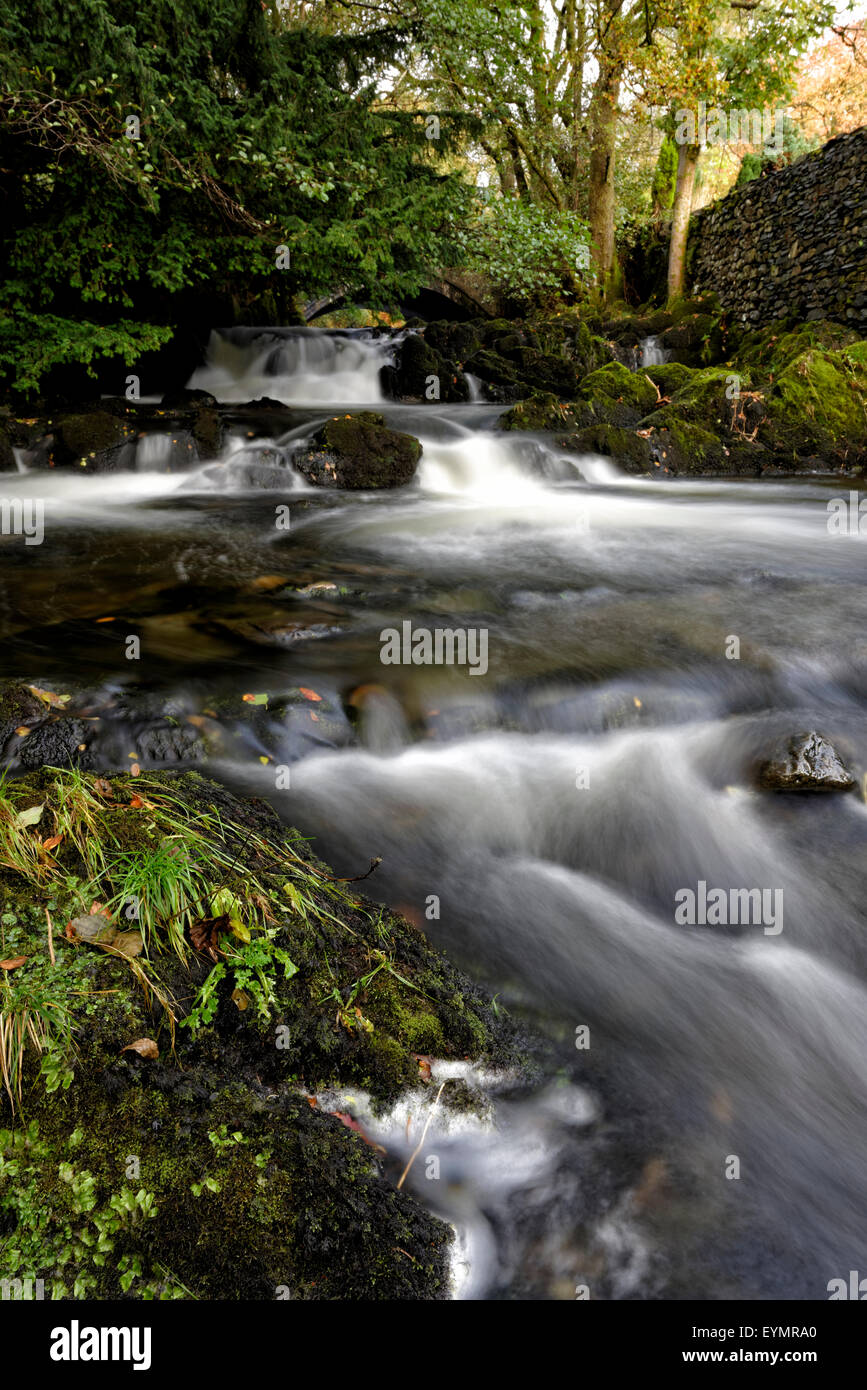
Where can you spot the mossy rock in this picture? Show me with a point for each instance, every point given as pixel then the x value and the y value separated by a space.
pixel 818 405
pixel 624 446
pixel 359 451
pixel 679 447
pixel 205 1171
pixel 776 346
pixel 618 396
pixel 544 411
pixel 94 440
pixel 669 377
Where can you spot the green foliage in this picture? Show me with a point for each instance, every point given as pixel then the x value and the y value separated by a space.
pixel 533 252
pixel 253 137
pixel 664 176
pixel 83 1226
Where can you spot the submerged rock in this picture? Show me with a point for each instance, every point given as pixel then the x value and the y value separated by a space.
pixel 359 451
pixel 809 763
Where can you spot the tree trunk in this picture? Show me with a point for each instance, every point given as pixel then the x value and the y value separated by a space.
pixel 687 164
pixel 602 121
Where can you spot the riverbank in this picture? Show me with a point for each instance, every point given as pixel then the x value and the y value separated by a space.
pixel 182 981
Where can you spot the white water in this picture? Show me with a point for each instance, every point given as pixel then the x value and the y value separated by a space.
pixel 297 367
pixel 608 602
pixel 653 354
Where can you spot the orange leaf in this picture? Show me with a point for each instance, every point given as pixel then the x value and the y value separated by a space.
pixel 12 964
pixel 105 620
pixel 135 770
pixel 145 1047
pixel 309 694
pixel 136 802
pixel 52 843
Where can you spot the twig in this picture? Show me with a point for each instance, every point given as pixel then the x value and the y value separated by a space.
pixel 50 937
pixel 417 1150
pixel 326 878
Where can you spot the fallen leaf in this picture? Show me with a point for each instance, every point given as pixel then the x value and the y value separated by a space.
pixel 423 1066
pixel 52 842
pixel 128 943
pixel 357 1129
pixel 93 929
pixel 31 816
pixel 105 620
pixel 48 697
pixel 269 581
pixel 145 1047
pixel 103 787
pixel 309 694
pixel 13 963
pixel 240 999
pixel 255 699
pixel 136 802
pixel 135 770
pixel 22 731
pixel 204 933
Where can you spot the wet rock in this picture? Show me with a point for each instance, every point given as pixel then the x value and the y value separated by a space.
pixel 626 447
pixel 183 400
pixel 19 709
pixel 96 440
pixel 7 457
pixel 543 411
pixel 359 451
pixel 809 763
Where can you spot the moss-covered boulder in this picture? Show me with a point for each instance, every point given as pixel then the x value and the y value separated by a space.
pixel 359 451
pixel 422 373
pixel 544 411
pixel 627 448
pixel 167 1141
pixel 817 405
pixel 96 440
pixel 618 396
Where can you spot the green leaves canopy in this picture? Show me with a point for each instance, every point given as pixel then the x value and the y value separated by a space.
pixel 252 137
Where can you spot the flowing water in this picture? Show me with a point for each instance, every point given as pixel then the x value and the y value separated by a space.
pixel 711 1141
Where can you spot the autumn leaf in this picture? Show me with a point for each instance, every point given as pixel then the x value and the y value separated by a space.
pixel 52 842
pixel 31 816
pixel 103 787
pixel 309 694
pixel 145 1047
pixel 127 943
pixel 353 1124
pixel 423 1066
pixel 204 933
pixel 13 963
pixel 135 770
pixel 255 699
pixel 240 999
pixel 48 697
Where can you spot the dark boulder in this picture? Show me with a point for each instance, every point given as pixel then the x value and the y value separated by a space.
pixel 96 440
pixel 358 451
pixel 808 763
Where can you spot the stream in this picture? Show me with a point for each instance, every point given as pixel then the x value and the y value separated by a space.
pixel 550 805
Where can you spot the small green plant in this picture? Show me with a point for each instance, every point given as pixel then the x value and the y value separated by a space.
pixel 31 1013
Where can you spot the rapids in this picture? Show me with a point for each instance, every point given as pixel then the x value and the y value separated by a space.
pixel 553 807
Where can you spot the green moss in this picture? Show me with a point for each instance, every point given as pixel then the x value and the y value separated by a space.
pixel 616 383
pixel 124 1164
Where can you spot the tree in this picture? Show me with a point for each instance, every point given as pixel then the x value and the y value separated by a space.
pixel 180 158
